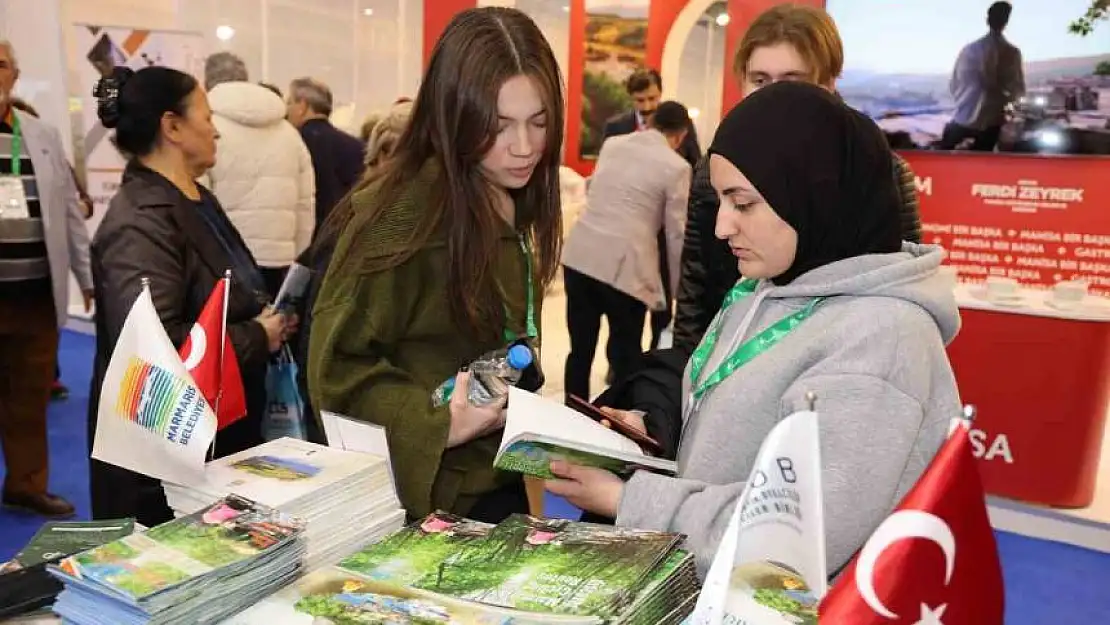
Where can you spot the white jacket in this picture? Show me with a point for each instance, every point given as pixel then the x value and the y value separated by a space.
pixel 263 175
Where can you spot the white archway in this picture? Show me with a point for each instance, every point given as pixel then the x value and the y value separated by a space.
pixel 697 83
pixel 676 39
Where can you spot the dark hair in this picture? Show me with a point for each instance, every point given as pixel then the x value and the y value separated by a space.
pixel 671 118
pixel 453 124
pixel 134 102
pixel 273 88
pixel 642 80
pixel 998 15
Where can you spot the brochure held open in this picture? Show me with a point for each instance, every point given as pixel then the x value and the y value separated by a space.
pixel 539 430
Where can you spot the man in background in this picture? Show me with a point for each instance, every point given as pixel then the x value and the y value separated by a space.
pixel 611 256
pixel 59 391
pixel 42 239
pixel 263 176
pixel 987 77
pixel 645 87
pixel 337 157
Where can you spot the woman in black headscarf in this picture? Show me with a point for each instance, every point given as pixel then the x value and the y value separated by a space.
pixel 832 303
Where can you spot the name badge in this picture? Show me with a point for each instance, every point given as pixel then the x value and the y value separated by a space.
pixel 13 198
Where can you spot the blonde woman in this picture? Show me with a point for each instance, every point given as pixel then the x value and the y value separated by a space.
pixel 383 136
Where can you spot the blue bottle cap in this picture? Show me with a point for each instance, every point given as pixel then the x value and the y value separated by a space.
pixel 519 357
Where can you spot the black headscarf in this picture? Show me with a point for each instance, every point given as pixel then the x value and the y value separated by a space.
pixel 823 167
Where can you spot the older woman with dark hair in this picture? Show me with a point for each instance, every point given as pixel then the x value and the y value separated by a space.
pixel 163 226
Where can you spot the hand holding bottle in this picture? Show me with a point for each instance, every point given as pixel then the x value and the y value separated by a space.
pixel 468 421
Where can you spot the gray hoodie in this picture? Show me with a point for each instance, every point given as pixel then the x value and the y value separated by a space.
pixel 873 353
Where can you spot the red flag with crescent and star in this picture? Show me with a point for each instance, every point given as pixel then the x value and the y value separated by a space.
pixel 934 561
pixel 216 372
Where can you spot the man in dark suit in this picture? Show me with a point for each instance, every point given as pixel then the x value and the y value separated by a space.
pixel 645 87
pixel 337 157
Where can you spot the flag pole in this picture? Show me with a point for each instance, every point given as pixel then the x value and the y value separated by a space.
pixel 969 413
pixel 223 347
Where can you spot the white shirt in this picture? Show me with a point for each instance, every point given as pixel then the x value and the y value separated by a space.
pixel 987 76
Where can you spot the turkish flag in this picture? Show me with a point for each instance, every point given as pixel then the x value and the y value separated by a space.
pixel 933 561
pixel 217 376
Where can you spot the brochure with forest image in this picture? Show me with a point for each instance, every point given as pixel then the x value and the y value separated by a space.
pixel 418 550
pixel 539 430
pixel 555 566
pixel 231 531
pixel 333 596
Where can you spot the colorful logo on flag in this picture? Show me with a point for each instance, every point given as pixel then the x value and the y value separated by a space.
pixel 159 401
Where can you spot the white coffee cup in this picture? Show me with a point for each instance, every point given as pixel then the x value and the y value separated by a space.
pixel 1006 289
pixel 1070 294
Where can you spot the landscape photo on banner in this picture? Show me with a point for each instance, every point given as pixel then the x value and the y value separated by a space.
pixel 616 45
pixel 901 62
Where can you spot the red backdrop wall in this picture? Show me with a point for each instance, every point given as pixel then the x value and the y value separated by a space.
pixel 437 14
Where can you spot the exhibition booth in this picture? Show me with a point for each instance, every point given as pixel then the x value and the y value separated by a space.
pixel 1032 358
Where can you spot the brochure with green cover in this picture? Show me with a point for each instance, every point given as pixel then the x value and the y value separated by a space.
pixel 555 566
pixel 538 430
pixel 57 539
pixel 233 531
pixel 418 551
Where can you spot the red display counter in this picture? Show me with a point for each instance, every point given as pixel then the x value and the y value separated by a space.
pixel 1040 381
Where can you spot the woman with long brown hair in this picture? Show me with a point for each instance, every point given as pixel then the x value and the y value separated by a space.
pixel 444 254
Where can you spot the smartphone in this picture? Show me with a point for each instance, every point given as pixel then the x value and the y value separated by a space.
pixel 649 444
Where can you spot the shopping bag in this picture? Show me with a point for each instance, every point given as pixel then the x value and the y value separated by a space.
pixel 285 413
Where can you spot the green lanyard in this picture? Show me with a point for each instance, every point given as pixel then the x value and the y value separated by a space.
pixel 17 147
pixel 749 349
pixel 530 318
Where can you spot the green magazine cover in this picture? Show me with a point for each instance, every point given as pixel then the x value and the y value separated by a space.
pixel 228 532
pixel 418 551
pixel 57 539
pixel 534 458
pixel 555 566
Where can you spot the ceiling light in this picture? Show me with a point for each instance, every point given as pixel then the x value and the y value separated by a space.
pixel 368 12
pixel 694 112
pixel 723 19
pixel 224 32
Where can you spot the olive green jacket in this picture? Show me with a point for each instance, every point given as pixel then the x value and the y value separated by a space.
pixel 382 341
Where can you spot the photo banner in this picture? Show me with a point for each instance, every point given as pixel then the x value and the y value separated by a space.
pixel 932 77
pixel 97 49
pixel 616 46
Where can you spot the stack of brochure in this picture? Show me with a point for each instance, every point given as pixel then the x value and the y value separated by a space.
pixel 25 586
pixel 347 498
pixel 196 569
pixel 525 571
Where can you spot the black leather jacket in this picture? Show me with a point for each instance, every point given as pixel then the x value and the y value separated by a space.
pixel 708 267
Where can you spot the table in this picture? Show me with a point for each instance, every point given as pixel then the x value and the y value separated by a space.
pixel 1040 380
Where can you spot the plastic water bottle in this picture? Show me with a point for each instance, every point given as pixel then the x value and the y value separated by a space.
pixel 490 376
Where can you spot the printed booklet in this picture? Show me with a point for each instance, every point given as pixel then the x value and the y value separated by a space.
pixel 539 430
